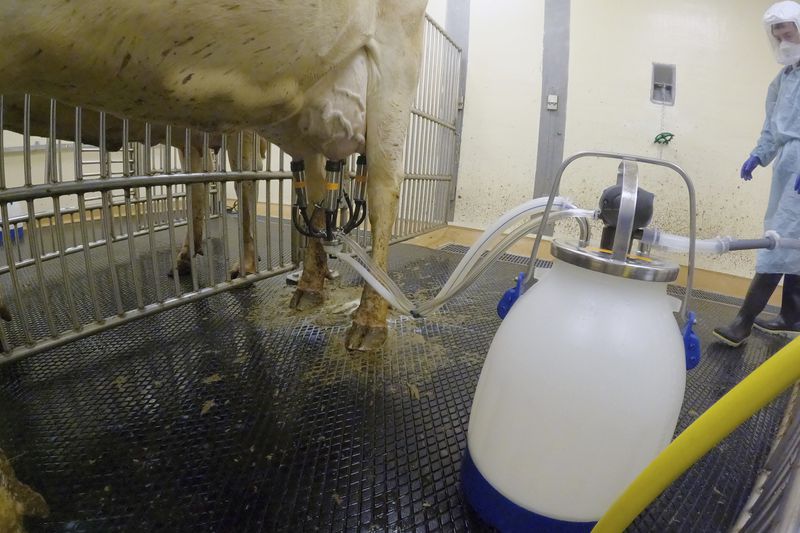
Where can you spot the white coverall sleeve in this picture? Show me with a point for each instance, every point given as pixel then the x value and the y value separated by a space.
pixel 766 149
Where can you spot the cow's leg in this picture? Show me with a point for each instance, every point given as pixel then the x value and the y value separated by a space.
pixel 309 291
pixel 199 201
pixel 369 329
pixel 248 196
pixel 388 104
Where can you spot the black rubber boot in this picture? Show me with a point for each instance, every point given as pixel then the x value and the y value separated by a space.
pixel 761 288
pixel 788 320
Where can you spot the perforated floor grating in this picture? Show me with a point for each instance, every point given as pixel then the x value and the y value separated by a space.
pixel 234 414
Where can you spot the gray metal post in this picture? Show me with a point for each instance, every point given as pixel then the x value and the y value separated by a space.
pixel 457 25
pixel 555 70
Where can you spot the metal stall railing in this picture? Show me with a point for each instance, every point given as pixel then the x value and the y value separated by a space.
pixel 774 503
pixel 431 144
pixel 88 249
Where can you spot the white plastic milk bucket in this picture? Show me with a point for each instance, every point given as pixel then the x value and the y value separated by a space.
pixel 580 390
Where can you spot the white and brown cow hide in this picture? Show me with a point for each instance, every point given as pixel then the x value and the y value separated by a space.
pixel 317 77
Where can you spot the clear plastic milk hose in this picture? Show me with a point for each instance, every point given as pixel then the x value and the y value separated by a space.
pixel 492 243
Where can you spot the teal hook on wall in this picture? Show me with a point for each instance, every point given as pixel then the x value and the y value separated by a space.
pixel 663 138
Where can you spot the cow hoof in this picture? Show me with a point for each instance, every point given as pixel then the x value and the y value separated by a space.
pixel 305 299
pixel 5 314
pixel 236 271
pixel 184 267
pixel 365 338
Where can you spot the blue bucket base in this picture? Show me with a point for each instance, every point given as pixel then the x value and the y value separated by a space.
pixel 504 514
pixel 16 234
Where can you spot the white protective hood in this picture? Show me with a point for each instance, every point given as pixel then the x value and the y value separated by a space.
pixel 788 11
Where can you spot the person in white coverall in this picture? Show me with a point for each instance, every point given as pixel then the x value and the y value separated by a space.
pixel 778 144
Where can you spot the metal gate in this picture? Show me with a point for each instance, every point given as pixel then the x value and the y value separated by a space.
pixel 89 235
pixel 432 143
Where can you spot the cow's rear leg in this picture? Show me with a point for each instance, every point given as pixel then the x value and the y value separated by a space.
pixel 388 106
pixel 199 207
pixel 310 288
pixel 199 200
pixel 246 212
pixel 369 329
pixel 309 292
pixel 249 195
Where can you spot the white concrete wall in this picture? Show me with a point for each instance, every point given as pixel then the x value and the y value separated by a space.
pixel 14 167
pixel 501 117
pixel 723 68
pixel 437 9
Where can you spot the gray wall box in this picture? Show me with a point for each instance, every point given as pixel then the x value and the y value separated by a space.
pixel 662 88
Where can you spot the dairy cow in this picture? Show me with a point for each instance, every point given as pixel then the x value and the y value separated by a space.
pixel 322 79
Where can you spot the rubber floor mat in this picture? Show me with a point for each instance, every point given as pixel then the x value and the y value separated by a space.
pixel 236 414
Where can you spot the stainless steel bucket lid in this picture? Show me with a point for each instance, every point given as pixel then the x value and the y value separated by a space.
pixel 599 260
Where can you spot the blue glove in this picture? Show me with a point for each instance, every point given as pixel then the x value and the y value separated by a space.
pixel 797 184
pixel 747 168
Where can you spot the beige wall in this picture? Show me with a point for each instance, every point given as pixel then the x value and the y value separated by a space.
pixel 501 117
pixel 14 167
pixel 723 68
pixel 437 9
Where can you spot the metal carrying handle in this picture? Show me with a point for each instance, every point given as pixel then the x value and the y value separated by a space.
pixel 627 210
pixel 624 158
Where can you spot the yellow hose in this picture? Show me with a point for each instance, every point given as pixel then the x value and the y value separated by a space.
pixel 763 385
